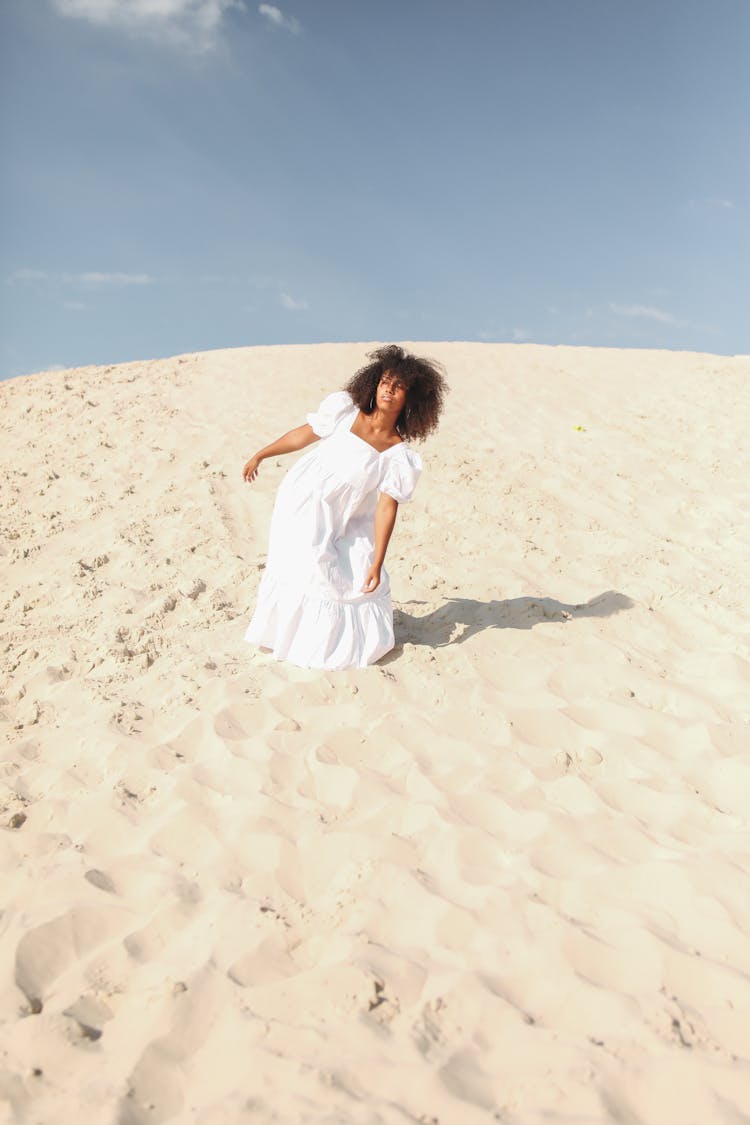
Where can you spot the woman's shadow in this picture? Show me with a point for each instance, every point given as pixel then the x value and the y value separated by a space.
pixel 459 619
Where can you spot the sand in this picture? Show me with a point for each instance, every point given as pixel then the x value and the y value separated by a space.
pixel 502 876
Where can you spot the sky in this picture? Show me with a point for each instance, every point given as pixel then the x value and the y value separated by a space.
pixel 183 175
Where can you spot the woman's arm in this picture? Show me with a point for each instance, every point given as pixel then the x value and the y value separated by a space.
pixel 289 443
pixel 385 519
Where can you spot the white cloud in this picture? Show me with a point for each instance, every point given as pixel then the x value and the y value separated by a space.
pixel 707 205
pixel 292 302
pixel 187 23
pixel 26 277
pixel 722 204
pixel 277 17
pixel 110 278
pixel 29 277
pixel 645 312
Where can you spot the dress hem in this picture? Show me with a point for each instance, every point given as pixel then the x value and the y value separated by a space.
pixel 320 633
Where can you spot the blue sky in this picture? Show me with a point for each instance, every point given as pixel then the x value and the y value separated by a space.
pixel 191 174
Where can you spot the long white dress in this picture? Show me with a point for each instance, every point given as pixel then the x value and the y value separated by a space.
pixel 311 610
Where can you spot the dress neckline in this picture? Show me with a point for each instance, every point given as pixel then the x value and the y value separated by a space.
pixel 379 452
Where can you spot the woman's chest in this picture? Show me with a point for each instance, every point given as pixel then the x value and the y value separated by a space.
pixel 351 460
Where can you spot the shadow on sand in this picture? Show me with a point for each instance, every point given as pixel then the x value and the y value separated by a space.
pixel 459 619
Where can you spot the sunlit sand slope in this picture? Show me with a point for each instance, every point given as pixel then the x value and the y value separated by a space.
pixel 502 876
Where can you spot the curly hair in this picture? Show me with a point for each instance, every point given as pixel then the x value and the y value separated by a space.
pixel 425 389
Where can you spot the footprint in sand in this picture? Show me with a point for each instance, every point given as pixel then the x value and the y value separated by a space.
pixel 49 950
pixel 157 1083
pixel 583 761
pixel 91 1015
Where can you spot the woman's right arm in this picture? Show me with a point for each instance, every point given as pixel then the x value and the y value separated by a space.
pixel 289 443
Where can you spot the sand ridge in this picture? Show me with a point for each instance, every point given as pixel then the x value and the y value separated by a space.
pixel 502 876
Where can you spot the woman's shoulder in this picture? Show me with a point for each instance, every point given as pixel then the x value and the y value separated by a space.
pixel 333 408
pixel 338 401
pixel 403 452
pixel 401 469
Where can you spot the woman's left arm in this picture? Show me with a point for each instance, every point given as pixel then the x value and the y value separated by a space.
pixel 385 519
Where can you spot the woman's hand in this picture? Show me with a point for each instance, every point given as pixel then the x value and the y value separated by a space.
pixel 250 470
pixel 372 581
pixel 287 443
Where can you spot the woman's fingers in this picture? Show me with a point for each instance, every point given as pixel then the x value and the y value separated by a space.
pixel 372 581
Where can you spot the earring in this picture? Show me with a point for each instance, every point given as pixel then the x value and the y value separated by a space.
pixel 372 403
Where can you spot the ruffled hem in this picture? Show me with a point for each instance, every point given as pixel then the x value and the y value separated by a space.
pixel 315 633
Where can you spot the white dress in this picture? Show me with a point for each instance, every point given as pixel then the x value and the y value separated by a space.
pixel 311 610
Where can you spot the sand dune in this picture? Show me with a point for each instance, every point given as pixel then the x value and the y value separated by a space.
pixel 501 876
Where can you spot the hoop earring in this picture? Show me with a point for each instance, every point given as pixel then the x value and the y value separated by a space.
pixel 372 403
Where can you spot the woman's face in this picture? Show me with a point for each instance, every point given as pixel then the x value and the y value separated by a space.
pixel 391 393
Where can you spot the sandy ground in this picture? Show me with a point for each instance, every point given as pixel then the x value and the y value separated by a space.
pixel 502 876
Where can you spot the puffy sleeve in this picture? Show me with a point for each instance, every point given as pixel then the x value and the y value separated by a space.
pixel 332 409
pixel 402 470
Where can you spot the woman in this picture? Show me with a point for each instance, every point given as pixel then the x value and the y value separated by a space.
pixel 325 598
